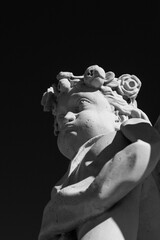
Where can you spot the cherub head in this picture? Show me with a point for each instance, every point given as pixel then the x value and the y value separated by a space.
pixel 93 104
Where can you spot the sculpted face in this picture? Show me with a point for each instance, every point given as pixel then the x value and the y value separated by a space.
pixel 81 115
pixel 81 110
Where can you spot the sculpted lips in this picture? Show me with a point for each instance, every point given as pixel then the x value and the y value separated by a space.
pixel 67 127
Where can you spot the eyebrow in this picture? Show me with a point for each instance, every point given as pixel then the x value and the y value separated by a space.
pixel 62 108
pixel 74 97
pixel 79 96
pixel 82 95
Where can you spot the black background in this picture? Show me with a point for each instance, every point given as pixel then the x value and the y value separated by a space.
pixel 37 43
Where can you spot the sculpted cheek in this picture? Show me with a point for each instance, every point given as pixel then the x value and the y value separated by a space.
pixel 64 145
pixel 88 124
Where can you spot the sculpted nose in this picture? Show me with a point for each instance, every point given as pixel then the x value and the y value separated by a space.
pixel 63 119
pixel 69 117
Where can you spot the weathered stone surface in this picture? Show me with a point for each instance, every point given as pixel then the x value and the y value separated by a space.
pixel 105 193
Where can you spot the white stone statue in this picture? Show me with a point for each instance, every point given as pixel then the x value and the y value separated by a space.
pixel 108 192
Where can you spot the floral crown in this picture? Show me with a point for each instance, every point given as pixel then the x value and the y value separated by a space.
pixel 127 86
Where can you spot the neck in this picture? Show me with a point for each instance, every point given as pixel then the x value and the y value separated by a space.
pixel 99 144
pixel 96 144
pixel 100 147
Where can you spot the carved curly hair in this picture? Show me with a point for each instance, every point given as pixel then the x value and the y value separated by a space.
pixel 120 92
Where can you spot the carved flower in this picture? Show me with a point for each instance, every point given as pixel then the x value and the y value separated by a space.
pixel 110 80
pixel 66 80
pixel 64 85
pixel 94 76
pixel 62 75
pixel 129 86
pixel 48 100
pixel 109 76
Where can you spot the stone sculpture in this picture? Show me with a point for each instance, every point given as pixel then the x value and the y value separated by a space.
pixel 108 191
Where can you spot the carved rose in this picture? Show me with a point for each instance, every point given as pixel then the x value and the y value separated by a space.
pixel 128 86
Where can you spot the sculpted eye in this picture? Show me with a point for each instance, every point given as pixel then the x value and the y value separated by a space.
pixel 82 104
pixel 82 101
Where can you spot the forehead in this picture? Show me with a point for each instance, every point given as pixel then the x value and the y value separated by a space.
pixel 68 99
